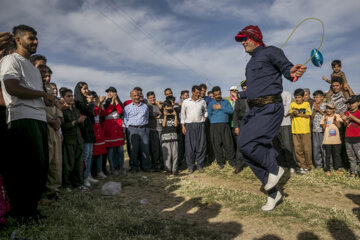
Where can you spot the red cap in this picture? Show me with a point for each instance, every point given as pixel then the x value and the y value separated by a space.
pixel 252 32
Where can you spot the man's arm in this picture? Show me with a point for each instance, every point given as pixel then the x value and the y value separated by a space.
pixel 14 88
pixel 226 107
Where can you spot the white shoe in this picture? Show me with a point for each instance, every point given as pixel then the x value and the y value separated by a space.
pixel 101 175
pixel 82 188
pixel 92 180
pixel 272 202
pixel 87 183
pixel 274 179
pixel 67 189
pixel 292 170
pixel 302 171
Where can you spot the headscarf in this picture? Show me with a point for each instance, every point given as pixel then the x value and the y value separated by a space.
pixel 78 94
pixel 252 32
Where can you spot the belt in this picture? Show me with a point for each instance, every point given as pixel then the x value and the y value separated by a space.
pixel 264 100
pixel 139 126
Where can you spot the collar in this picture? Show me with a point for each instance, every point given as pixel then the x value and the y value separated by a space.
pixel 259 48
pixel 137 105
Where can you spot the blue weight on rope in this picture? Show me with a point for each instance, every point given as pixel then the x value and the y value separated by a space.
pixel 318 59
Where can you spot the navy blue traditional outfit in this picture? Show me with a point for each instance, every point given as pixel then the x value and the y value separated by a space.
pixel 260 125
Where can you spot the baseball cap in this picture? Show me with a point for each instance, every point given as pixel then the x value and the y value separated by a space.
pixel 233 88
pixel 111 89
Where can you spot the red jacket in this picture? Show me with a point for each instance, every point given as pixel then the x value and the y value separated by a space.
pixel 99 145
pixel 114 133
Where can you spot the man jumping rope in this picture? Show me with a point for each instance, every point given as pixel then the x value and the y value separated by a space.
pixel 262 122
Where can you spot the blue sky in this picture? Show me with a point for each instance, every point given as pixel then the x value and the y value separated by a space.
pixel 178 43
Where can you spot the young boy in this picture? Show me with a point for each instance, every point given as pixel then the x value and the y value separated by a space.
pixel 72 144
pixel 331 122
pixel 300 113
pixel 318 111
pixel 352 134
pixel 169 138
pixel 336 67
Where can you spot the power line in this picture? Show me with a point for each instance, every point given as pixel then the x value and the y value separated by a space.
pixel 147 35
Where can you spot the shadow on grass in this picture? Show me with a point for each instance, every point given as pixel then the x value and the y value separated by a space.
pixel 146 208
pixel 356 199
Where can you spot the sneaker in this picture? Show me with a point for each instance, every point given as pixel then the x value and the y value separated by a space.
pixel 101 175
pixel 237 170
pixel 274 179
pixel 292 170
pixel 67 189
pixel 82 188
pixel 302 171
pixel 272 202
pixel 201 169
pixel 92 180
pixel 87 183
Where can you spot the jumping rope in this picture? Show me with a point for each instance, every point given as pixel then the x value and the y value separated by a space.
pixel 293 31
pixel 322 38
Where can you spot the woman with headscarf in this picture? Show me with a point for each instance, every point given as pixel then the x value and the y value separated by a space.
pixel 86 108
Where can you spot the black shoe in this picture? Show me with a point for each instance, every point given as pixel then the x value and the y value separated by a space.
pixel 175 173
pixel 221 166
pixel 201 169
pixel 191 171
pixel 237 170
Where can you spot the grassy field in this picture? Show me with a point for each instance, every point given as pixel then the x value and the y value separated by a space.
pixel 212 205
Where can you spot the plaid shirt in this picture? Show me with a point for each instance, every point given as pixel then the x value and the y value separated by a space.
pixel 136 115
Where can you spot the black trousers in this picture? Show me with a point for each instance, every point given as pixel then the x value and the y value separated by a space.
pixel 222 141
pixel 155 149
pixel 283 143
pixel 25 172
pixel 209 149
pixel 333 150
pixel 239 162
pixel 72 165
pixel 195 144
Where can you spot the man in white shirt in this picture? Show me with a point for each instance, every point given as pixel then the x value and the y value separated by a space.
pixel 193 115
pixel 25 99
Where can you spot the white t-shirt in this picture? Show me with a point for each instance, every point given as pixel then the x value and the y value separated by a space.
pixel 14 66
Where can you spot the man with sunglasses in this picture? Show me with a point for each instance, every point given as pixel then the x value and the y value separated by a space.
pixel 260 125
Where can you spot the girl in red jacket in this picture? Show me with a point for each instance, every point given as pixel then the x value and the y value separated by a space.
pixel 114 133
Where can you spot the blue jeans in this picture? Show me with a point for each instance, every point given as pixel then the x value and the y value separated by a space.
pixel 116 157
pixel 139 143
pixel 87 153
pixel 318 150
pixel 98 161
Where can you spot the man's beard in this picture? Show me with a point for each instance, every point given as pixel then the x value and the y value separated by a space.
pixel 29 47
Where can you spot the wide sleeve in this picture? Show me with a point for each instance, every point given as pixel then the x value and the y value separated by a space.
pixel 280 61
pixel 226 107
pixel 204 109
pixel 183 112
pixel 119 108
pixel 10 68
pixel 210 110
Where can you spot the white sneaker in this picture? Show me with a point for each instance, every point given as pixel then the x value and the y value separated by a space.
pixel 92 180
pixel 302 171
pixel 274 179
pixel 82 188
pixel 292 170
pixel 272 202
pixel 101 175
pixel 67 189
pixel 87 183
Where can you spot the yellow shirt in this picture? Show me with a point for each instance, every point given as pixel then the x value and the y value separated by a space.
pixel 300 125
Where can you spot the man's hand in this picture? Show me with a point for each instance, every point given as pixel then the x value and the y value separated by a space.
pixel 49 99
pixel 297 70
pixel 60 105
pixel 237 131
pixel 81 119
pixel 5 38
pixel 344 117
pixel 183 129
pixel 217 106
pixel 346 86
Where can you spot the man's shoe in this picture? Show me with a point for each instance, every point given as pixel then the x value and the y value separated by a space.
pixel 191 171
pixel 237 170
pixel 92 180
pixel 201 169
pixel 67 189
pixel 82 188
pixel 87 183
pixel 272 202
pixel 175 172
pixel 274 179
pixel 101 175
pixel 221 166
